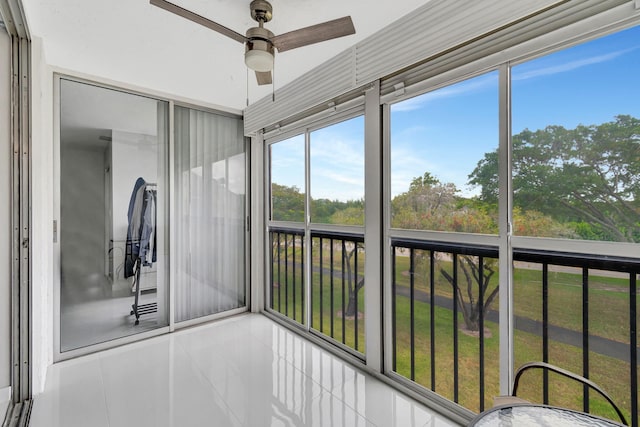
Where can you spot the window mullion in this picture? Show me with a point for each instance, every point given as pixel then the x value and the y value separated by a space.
pixel 505 222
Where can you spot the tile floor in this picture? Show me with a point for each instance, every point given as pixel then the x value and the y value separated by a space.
pixel 92 322
pixel 242 371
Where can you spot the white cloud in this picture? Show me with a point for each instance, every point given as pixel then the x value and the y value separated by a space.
pixel 464 87
pixel 569 66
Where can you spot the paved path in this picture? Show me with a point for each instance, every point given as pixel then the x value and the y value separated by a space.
pixel 597 344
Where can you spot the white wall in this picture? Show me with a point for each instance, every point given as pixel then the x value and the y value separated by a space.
pixel 5 212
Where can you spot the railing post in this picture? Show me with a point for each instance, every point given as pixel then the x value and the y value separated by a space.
pixel 393 310
pixel 321 271
pixel 456 353
pixel 412 331
pixel 545 331
pixel 432 313
pixel 481 328
pixel 585 335
pixel 633 340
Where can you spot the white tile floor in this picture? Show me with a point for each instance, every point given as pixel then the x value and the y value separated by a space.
pixel 242 371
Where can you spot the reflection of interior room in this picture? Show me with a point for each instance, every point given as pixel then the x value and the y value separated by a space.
pixel 99 167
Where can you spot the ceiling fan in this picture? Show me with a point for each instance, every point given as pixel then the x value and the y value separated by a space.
pixel 260 42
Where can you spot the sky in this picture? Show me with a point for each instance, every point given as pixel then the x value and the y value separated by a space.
pixel 447 131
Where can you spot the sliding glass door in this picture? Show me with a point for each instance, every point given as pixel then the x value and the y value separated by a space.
pixel 210 218
pixel 112 221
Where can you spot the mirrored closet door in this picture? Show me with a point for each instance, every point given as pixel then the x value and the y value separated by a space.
pixel 113 175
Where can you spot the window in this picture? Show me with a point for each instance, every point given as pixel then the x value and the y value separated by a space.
pixel 328 248
pixel 576 145
pixel 576 121
pixel 287 180
pixel 337 173
pixel 436 141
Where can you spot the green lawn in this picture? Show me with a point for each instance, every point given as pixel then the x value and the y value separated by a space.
pixel 283 295
pixel 608 296
pixel 611 374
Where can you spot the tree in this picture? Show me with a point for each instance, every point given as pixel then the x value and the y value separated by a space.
pixel 475 278
pixel 287 203
pixel 425 205
pixel 348 216
pixel 353 286
pixel 588 176
pixel 432 205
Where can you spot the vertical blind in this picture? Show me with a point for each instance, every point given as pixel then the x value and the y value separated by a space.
pixel 210 211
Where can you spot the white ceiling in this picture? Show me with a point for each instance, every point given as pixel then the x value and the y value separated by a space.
pixel 133 42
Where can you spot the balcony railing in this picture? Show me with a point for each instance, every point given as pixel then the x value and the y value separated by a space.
pixel 337 298
pixel 337 280
pixel 441 297
pixel 579 312
pixel 574 311
pixel 287 295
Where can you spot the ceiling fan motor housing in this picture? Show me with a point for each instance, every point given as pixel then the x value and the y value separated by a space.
pixel 259 50
pixel 261 11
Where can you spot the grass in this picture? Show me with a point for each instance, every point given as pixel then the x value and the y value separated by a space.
pixel 608 316
pixel 290 305
pixel 611 374
pixel 608 296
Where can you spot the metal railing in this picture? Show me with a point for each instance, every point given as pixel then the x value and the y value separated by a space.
pixel 593 324
pixel 336 303
pixel 287 284
pixel 337 299
pixel 445 316
pixel 434 288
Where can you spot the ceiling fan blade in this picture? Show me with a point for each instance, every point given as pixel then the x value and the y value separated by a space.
pixel 316 33
pixel 263 78
pixel 187 14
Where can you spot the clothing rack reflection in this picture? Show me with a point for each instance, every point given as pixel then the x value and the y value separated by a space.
pixel 141 241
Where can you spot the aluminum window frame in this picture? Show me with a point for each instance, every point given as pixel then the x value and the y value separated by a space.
pixel 58 355
pixel 505 241
pixel 21 348
pixel 334 114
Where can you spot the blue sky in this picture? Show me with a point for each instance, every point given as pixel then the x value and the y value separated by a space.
pixel 447 131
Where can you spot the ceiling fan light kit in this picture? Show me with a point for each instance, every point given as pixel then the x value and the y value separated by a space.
pixel 259 60
pixel 260 42
pixel 258 50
